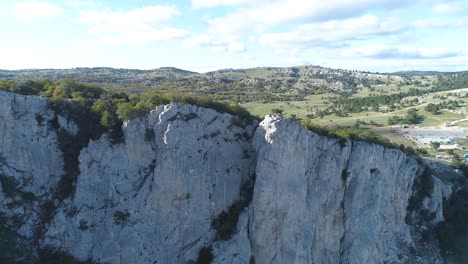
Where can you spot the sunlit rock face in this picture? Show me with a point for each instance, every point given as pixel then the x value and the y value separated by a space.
pixel 159 197
pixel 324 200
pixel 153 197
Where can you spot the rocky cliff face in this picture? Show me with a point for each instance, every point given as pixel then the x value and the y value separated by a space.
pixel 323 200
pixel 191 185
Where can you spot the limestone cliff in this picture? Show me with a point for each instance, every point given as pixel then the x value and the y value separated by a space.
pixel 191 185
pixel 324 200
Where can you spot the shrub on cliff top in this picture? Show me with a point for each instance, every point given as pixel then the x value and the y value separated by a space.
pixel 112 106
pixel 365 135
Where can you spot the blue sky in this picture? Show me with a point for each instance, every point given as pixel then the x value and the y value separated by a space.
pixel 204 35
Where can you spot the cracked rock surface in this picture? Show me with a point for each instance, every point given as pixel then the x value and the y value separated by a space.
pixel 325 200
pixel 153 198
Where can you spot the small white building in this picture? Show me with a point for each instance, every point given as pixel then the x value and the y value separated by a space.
pixel 447 124
pixel 451 146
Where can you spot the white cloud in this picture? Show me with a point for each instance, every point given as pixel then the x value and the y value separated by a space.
pixel 236 47
pixel 230 44
pixel 214 3
pixel 321 23
pixel 401 52
pixel 294 61
pixel 450 8
pixel 459 63
pixel 259 16
pixel 35 10
pixel 266 14
pixel 438 23
pixel 136 37
pixel 201 40
pixel 136 26
pixel 29 58
pixel 335 33
pixel 78 3
pixel 146 15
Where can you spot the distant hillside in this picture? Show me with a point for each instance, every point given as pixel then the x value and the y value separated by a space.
pixel 425 72
pixel 176 70
pixel 112 75
pixel 418 73
pixel 97 74
pixel 256 84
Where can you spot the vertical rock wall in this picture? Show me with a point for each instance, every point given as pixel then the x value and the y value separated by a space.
pixel 324 200
pixel 153 198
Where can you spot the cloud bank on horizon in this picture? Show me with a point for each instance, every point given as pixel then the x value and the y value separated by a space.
pixel 204 35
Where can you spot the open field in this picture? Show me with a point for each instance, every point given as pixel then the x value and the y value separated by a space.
pixel 463 124
pixel 394 136
pixel 431 127
pixel 388 89
pixel 302 108
pixel 299 108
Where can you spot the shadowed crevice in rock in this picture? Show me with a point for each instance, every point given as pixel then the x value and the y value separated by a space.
pixel 225 224
pixel 345 175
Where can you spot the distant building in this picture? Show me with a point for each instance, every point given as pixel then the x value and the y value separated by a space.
pixel 447 124
pixel 451 146
pixel 255 80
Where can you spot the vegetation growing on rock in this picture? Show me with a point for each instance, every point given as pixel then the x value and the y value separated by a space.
pixel 225 223
pixel 110 108
pixel 369 136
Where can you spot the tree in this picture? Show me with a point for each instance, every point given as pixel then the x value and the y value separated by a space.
pixel 432 108
pixel 412 117
pixel 393 120
pixel 277 111
pixel 294 117
pixel 357 124
pixel 435 145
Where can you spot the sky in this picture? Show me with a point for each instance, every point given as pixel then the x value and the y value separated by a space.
pixel 206 35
